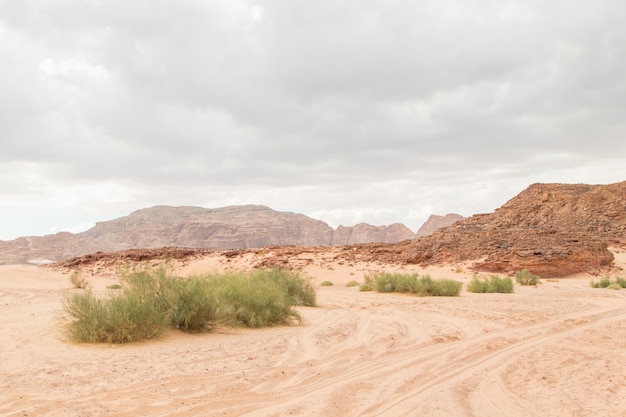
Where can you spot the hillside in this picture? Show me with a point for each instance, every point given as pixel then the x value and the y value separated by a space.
pixel 552 229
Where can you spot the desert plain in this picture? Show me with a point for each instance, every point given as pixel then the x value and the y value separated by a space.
pixel 557 349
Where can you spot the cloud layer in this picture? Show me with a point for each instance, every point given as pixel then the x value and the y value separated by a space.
pixel 372 111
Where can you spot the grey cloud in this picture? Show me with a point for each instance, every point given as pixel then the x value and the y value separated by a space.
pixel 328 95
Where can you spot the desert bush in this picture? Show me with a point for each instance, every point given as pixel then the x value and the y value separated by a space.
pixel 525 277
pixel 121 318
pixel 191 303
pixel 114 287
pixel 151 300
pixel 327 284
pixel 352 284
pixel 78 280
pixel 252 300
pixel 410 283
pixel 423 286
pixel 445 288
pixel 605 282
pixel 614 286
pixel 478 285
pixel 369 279
pixel 395 282
pixel 298 288
pixel 491 284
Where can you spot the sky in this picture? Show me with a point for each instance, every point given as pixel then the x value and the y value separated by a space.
pixel 377 111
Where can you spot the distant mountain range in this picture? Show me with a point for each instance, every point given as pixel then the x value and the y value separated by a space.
pixel 233 227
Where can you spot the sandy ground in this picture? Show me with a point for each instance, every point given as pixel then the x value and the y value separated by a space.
pixel 555 350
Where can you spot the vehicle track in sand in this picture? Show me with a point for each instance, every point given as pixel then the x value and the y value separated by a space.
pixel 357 354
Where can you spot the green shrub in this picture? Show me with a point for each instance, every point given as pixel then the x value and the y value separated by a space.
pixel 500 285
pixel 614 286
pixel 525 277
pixel 395 282
pixel 478 285
pixel 150 301
pixel 445 288
pixel 352 284
pixel 492 284
pixel 192 304
pixel 606 282
pixel 423 286
pixel 114 287
pixel 121 318
pixel 410 283
pixel 78 280
pixel 603 283
pixel 299 289
pixel 327 284
pixel 252 301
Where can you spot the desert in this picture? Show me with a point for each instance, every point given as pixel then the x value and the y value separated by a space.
pixel 555 349
pixel 312 208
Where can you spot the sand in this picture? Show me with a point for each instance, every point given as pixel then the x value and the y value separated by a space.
pixel 558 349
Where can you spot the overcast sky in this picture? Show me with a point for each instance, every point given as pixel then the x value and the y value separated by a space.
pixel 377 111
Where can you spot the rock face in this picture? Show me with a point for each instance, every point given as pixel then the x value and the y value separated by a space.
pixel 224 228
pixel 554 230
pixel 234 227
pixel 436 222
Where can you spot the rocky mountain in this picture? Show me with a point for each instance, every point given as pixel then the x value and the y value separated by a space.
pixel 554 230
pixel 234 227
pixel 436 222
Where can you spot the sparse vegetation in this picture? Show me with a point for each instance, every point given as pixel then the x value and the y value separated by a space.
pixel 491 284
pixel 368 281
pixel 327 284
pixel 605 282
pixel 395 282
pixel 78 280
pixel 445 288
pixel 151 301
pixel 410 283
pixel 525 277
pixel 352 284
pixel 114 287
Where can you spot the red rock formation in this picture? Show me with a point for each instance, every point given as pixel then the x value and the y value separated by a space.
pixel 552 229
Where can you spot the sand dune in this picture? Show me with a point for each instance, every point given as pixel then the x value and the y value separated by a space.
pixel 554 350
